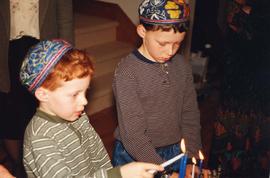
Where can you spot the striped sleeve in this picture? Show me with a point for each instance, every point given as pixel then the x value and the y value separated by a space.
pixel 191 116
pixel 131 118
pixel 46 159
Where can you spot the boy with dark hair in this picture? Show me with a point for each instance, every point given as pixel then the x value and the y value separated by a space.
pixel 154 91
pixel 59 140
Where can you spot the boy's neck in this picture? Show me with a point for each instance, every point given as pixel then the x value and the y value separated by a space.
pixel 42 107
pixel 141 57
pixel 144 52
pixel 49 117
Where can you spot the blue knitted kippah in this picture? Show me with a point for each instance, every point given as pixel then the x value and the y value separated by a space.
pixel 39 61
pixel 164 12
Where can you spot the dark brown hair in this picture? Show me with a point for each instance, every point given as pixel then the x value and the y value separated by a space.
pixel 181 27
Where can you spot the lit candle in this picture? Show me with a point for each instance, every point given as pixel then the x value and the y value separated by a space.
pixel 200 164
pixel 193 167
pixel 183 163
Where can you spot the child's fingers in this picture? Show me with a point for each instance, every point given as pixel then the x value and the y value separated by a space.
pixel 147 175
pixel 149 166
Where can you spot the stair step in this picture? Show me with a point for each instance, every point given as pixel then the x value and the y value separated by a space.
pixel 100 86
pixel 99 104
pixel 107 56
pixel 92 30
pixel 100 95
pixel 98 37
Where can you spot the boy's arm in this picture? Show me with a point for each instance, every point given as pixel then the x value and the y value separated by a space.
pixel 132 124
pixel 190 123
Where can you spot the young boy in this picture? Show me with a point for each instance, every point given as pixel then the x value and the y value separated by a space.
pixel 59 141
pixel 154 92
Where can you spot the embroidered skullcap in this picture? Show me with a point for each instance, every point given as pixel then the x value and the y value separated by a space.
pixel 40 60
pixel 164 12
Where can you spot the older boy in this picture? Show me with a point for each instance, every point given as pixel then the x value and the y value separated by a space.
pixel 59 141
pixel 154 92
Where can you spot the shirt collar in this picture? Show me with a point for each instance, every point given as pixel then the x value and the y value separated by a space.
pixel 49 117
pixel 141 57
pixel 144 59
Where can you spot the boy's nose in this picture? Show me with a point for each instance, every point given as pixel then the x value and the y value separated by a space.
pixel 170 50
pixel 84 101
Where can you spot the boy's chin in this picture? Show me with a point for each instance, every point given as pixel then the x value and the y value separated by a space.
pixel 162 61
pixel 72 119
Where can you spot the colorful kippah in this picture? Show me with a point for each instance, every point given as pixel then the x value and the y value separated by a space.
pixel 164 11
pixel 39 61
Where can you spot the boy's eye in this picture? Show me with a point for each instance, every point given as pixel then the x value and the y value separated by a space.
pixel 162 44
pixel 177 44
pixel 75 94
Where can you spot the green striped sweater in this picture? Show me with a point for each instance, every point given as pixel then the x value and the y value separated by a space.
pixel 57 148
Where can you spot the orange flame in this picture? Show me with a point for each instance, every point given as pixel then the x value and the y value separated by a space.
pixel 182 145
pixel 194 160
pixel 201 155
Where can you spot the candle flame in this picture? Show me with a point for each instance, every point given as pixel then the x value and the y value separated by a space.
pixel 194 160
pixel 182 145
pixel 201 155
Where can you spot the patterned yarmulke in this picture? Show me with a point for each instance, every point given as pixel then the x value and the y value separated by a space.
pixel 39 61
pixel 164 11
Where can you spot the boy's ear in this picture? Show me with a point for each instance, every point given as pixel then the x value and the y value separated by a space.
pixel 41 94
pixel 141 30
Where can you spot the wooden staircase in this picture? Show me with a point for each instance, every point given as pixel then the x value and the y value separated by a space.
pixel 97 36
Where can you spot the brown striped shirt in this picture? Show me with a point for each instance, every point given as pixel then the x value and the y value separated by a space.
pixel 54 147
pixel 156 106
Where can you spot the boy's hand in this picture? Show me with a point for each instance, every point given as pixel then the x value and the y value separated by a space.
pixel 139 170
pixel 4 173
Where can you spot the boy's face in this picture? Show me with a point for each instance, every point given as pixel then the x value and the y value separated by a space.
pixel 67 101
pixel 159 46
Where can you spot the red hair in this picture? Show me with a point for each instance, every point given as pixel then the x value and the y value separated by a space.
pixel 74 64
